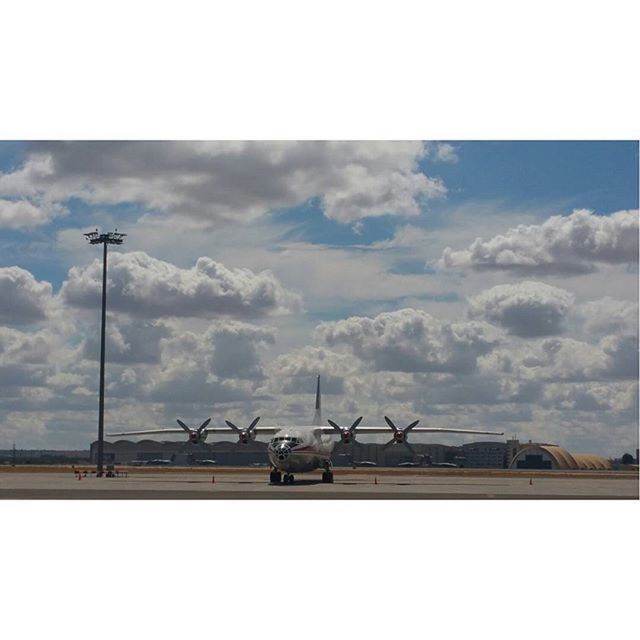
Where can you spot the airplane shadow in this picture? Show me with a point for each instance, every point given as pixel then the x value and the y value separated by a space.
pixel 297 483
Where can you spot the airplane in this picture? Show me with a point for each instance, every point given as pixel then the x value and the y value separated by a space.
pixel 304 448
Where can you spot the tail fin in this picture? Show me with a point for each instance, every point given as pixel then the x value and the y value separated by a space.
pixel 317 418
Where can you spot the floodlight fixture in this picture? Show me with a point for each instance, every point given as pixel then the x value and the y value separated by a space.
pixel 105 239
pixel 111 237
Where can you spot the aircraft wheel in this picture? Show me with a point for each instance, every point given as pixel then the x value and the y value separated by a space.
pixel 327 477
pixel 288 478
pixel 275 477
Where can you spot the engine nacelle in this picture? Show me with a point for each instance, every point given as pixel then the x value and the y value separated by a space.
pixel 245 437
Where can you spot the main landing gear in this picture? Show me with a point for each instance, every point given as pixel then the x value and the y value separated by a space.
pixel 327 475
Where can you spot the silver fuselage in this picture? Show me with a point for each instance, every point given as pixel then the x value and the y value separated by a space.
pixel 300 449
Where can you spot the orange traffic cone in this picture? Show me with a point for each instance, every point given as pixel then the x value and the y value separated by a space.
pixel 213 478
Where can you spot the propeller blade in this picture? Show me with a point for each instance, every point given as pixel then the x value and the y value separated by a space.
pixel 204 425
pixel 335 426
pixel 392 441
pixel 253 424
pixel 355 424
pixel 232 426
pixel 413 424
pixel 411 449
pixel 388 421
pixel 183 425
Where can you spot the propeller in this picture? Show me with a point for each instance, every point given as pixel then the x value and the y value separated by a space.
pixel 400 435
pixel 196 436
pixel 245 435
pixel 347 434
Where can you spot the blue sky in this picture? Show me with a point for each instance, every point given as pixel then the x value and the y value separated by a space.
pixel 565 175
pixel 411 275
pixel 597 175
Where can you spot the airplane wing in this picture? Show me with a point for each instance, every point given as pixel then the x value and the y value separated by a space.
pixel 257 430
pixel 374 430
pixel 211 430
pixel 146 433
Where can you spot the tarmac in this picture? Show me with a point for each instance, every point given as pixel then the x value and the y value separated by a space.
pixel 376 484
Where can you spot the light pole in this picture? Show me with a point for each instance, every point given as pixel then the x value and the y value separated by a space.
pixel 112 237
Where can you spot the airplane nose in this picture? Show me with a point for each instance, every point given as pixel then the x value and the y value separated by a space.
pixel 282 452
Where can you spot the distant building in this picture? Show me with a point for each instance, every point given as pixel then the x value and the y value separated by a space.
pixel 511 450
pixel 485 455
pixel 480 455
pixel 548 456
pixel 182 453
pixel 43 456
pixel 236 454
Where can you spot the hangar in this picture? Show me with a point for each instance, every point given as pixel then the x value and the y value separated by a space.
pixel 549 456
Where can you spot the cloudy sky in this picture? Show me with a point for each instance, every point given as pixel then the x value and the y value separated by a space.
pixel 470 284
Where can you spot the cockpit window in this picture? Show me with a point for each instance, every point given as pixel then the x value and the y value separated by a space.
pixel 289 439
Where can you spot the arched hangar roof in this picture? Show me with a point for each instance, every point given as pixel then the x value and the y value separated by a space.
pixel 563 459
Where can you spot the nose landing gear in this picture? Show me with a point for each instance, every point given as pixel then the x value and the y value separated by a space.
pixel 327 477
pixel 276 477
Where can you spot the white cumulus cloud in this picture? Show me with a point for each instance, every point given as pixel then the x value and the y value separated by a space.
pixel 144 286
pixel 446 152
pixel 296 371
pixel 562 244
pixel 23 299
pixel 235 349
pixel 222 181
pixel 22 214
pixel 128 340
pixel 609 316
pixel 412 340
pixel 525 309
